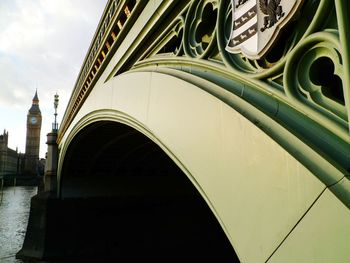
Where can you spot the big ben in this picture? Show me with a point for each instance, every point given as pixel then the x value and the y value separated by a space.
pixel 33 137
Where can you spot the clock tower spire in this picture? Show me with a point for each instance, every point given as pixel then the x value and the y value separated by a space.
pixel 33 137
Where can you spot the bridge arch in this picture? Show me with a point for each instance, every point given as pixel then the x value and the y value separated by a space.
pixel 263 140
pixel 217 147
pixel 121 170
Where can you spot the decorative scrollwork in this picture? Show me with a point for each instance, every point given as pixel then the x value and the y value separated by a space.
pixel 174 43
pixel 313 74
pixel 313 13
pixel 171 41
pixel 304 64
pixel 199 33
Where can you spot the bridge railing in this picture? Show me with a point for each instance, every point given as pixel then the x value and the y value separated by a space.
pixel 113 25
pixel 302 82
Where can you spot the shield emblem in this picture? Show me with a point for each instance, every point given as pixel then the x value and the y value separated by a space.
pixel 256 24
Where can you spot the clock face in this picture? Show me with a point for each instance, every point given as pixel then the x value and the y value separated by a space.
pixel 33 120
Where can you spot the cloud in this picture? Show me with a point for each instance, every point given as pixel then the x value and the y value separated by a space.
pixel 42 45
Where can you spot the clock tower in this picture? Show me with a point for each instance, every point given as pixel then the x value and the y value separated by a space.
pixel 33 137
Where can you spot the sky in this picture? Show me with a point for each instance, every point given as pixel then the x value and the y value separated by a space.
pixel 42 46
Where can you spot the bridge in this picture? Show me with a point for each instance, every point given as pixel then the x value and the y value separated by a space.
pixel 184 145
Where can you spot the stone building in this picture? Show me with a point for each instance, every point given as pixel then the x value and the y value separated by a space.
pixel 11 162
pixel 33 138
pixel 14 163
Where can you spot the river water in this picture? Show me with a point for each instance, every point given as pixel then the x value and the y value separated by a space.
pixel 14 213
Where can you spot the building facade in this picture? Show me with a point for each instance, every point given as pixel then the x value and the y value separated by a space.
pixel 10 160
pixel 33 137
pixel 14 163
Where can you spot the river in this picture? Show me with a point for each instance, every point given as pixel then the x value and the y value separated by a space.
pixel 14 213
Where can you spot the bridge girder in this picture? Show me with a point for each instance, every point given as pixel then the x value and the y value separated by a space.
pixel 163 70
pixel 248 180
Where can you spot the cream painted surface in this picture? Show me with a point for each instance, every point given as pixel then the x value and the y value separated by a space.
pixel 321 237
pixel 256 189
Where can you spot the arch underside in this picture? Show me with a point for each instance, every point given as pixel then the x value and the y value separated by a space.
pixel 128 194
pixel 166 142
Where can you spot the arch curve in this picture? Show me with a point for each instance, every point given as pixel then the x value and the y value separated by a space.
pixel 119 172
pixel 233 153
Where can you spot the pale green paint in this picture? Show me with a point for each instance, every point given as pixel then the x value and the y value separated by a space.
pixel 258 150
pixel 343 16
pixel 257 190
pixel 321 237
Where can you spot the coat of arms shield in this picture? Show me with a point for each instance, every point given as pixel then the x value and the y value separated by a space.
pixel 257 23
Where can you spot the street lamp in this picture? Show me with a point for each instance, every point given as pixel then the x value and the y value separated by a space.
pixel 55 104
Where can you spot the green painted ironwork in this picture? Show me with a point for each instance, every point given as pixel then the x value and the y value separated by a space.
pixel 308 66
pixel 302 83
pixel 297 94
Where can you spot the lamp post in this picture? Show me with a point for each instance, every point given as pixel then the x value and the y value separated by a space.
pixel 55 104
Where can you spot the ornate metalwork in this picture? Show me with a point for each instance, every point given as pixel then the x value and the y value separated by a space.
pixel 199 31
pixel 313 74
pixel 256 25
pixel 308 46
pixel 306 68
pixel 112 28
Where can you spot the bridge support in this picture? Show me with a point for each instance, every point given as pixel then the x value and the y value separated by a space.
pixel 35 244
pixel 42 220
pixel 146 210
pixel 50 177
pixel 127 229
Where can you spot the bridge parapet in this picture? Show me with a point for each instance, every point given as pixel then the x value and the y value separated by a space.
pixel 117 18
pixel 302 82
